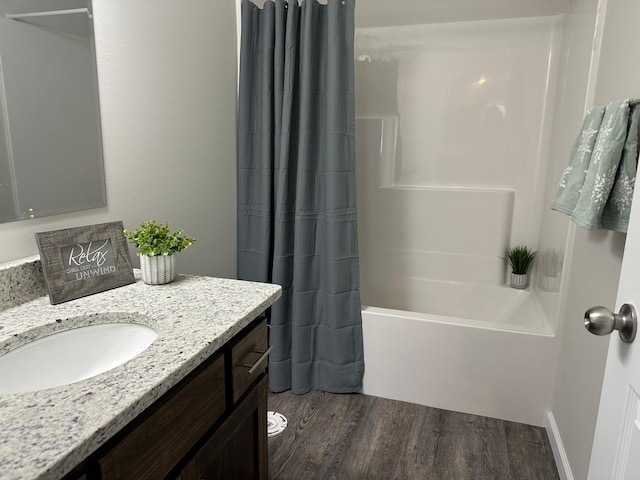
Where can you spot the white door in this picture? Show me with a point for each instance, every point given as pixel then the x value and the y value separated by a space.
pixel 616 447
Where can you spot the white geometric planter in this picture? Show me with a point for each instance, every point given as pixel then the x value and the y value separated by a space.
pixel 159 269
pixel 519 280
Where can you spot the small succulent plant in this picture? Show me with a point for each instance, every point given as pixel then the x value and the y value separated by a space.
pixel 152 238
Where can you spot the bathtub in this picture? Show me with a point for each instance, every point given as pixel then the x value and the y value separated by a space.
pixel 481 349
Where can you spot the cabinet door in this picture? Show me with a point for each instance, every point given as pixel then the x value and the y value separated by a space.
pixel 238 449
pixel 164 437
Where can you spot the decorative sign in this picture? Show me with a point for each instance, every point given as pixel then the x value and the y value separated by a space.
pixel 88 260
pixel 81 261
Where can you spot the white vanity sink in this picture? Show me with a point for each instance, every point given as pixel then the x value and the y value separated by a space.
pixel 72 355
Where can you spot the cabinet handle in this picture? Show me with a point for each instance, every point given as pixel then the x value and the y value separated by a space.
pixel 263 357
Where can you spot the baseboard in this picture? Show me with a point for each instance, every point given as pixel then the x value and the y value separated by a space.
pixel 560 456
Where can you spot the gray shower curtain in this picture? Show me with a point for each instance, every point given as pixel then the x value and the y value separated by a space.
pixel 296 188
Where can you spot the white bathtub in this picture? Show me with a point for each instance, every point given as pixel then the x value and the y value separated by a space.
pixel 491 355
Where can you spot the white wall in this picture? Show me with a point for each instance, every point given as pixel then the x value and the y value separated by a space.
pixel 166 75
pixel 592 281
pixel 595 256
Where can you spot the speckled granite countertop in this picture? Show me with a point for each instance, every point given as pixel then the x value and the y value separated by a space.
pixel 45 434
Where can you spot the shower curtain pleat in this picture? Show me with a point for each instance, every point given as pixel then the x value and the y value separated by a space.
pixel 297 222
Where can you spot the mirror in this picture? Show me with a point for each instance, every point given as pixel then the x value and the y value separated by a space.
pixel 50 140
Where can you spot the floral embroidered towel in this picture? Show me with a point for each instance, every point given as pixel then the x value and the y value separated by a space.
pixel 618 206
pixel 573 176
pixel 601 170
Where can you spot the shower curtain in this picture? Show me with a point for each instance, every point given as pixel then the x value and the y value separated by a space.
pixel 296 188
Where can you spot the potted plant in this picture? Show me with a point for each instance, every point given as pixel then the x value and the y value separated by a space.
pixel 156 247
pixel 519 258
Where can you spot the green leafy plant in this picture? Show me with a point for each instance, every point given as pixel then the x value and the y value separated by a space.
pixel 153 238
pixel 519 258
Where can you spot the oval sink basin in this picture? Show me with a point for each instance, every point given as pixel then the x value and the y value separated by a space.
pixel 72 355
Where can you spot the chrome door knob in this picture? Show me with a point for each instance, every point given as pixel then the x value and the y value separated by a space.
pixel 602 321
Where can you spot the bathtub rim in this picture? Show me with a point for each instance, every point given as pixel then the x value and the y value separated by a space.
pixel 543 330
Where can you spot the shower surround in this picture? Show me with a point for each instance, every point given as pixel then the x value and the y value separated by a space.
pixel 453 132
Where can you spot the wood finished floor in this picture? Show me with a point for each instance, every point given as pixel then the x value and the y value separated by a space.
pixel 357 437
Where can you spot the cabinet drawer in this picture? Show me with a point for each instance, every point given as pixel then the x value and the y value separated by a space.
pixel 249 359
pixel 162 439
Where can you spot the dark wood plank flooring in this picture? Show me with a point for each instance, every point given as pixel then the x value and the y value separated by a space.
pixel 362 437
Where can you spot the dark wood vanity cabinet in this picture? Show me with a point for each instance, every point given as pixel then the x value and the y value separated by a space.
pixel 238 448
pixel 212 425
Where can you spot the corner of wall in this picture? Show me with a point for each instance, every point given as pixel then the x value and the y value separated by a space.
pixel 559 454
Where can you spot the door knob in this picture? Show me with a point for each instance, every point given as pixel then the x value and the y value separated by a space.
pixel 602 321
